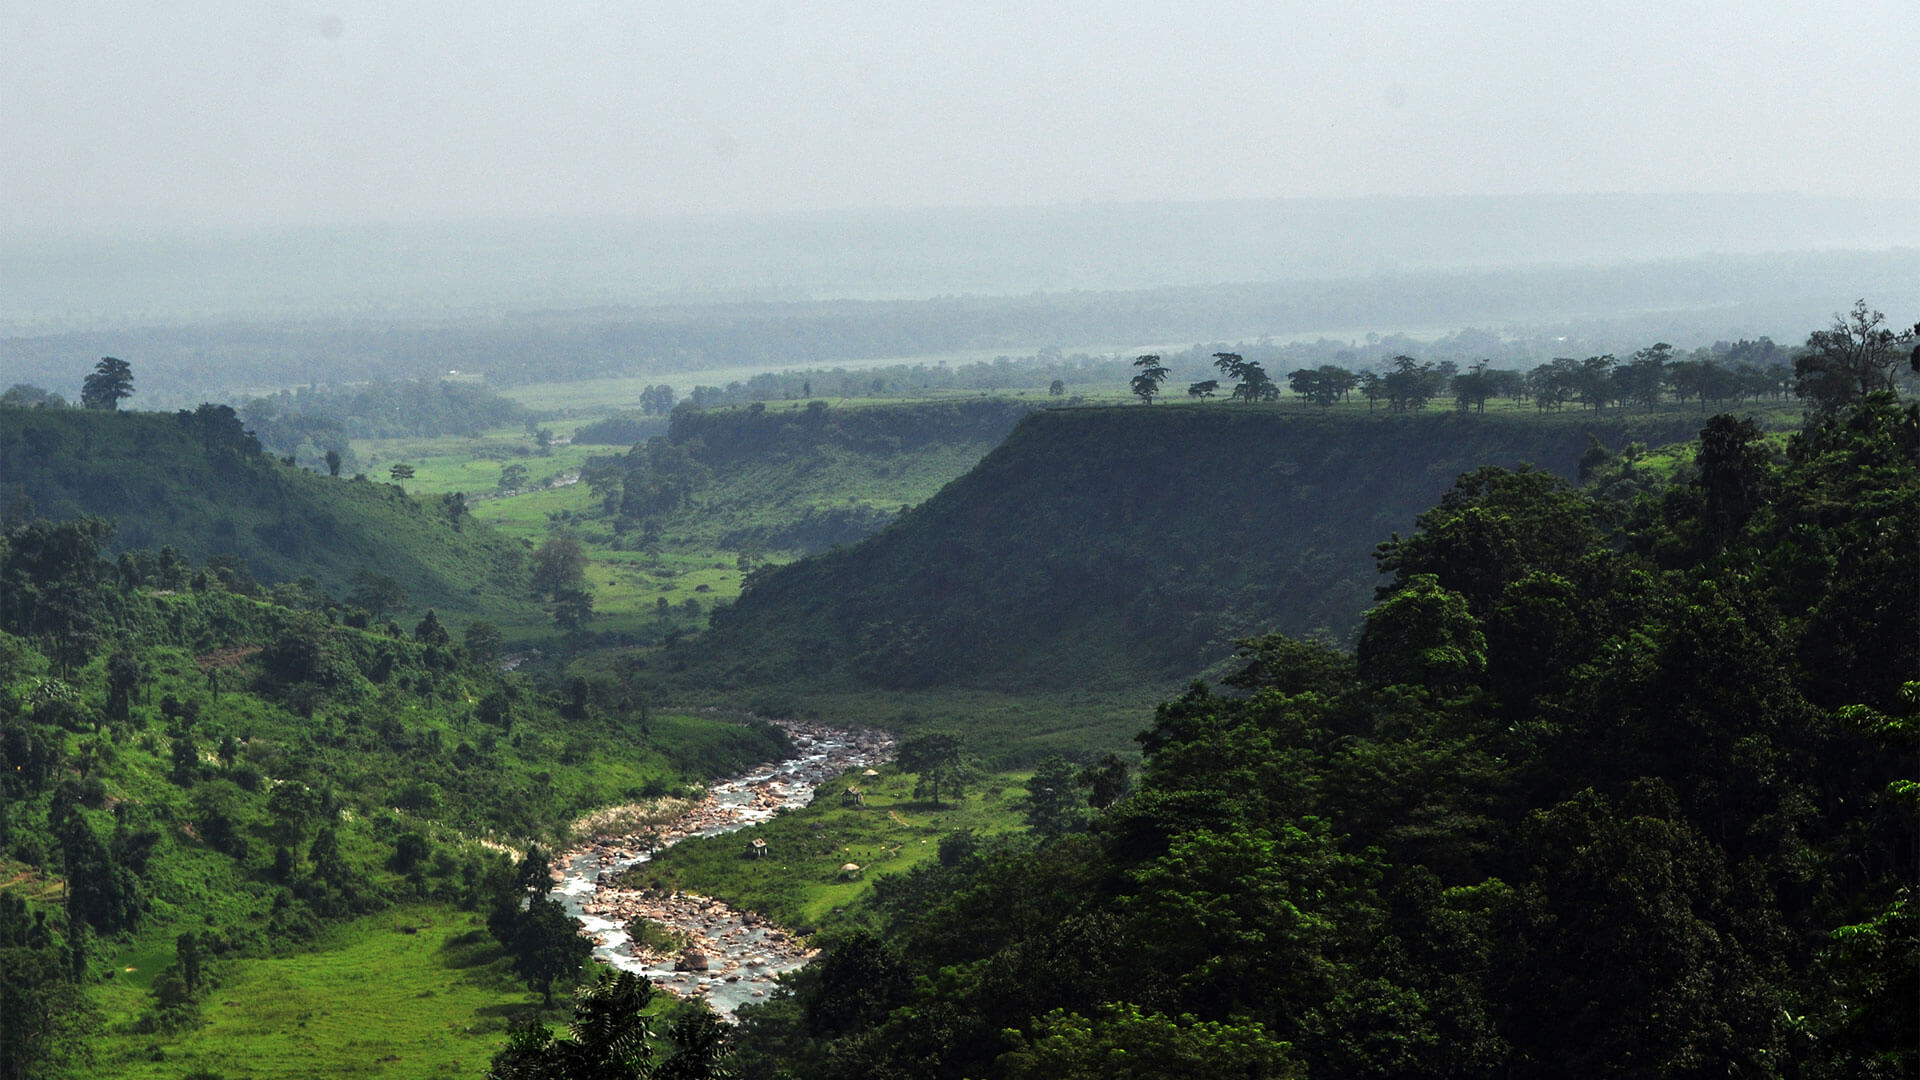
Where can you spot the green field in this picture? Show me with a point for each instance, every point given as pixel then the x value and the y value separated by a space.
pixel 417 991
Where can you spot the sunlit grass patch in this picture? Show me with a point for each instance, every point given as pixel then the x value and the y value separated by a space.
pixel 415 991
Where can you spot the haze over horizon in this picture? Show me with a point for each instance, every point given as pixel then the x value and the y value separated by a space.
pixel 210 115
pixel 218 159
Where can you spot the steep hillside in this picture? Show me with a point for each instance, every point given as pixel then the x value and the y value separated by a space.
pixel 198 483
pixel 803 479
pixel 1127 545
pixel 200 791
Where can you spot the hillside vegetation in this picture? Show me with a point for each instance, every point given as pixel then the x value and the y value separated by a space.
pixel 1606 788
pixel 196 482
pixel 1118 546
pixel 197 781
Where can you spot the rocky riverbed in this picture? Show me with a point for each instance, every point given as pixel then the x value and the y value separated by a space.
pixel 731 957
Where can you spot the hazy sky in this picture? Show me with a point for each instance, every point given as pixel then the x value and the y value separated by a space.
pixel 191 114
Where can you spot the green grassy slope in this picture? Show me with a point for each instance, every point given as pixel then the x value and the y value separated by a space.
pixel 197 484
pixel 1120 546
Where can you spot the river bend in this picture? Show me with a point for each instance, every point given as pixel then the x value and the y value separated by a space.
pixel 744 953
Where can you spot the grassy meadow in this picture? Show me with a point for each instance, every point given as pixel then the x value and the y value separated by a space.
pixel 415 991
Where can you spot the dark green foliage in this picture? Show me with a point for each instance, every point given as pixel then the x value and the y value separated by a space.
pixel 294 421
pixel 546 945
pixel 44 1012
pixel 611 1038
pixel 1855 357
pixel 1584 804
pixel 483 641
pixel 195 482
pixel 1146 384
pixel 1048 566
pixel 939 759
pixel 1051 801
pixel 1423 635
pixel 1106 781
pixel 110 383
pixel 559 566
pixel 1121 1043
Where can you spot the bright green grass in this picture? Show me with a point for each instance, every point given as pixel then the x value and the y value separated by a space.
pixel 800 884
pixel 452 463
pixel 370 1001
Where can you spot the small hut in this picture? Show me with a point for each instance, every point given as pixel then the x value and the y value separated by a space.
pixel 853 798
pixel 757 848
pixel 849 871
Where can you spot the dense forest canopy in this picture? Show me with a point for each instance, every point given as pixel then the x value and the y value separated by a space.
pixel 1606 788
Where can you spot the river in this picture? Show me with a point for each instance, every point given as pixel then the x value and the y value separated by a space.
pixel 744 953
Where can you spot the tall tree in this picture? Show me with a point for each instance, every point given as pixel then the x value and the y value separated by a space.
pixel 938 758
pixel 1052 803
pixel 1849 360
pixel 1252 379
pixel 546 946
pixel 559 566
pixel 1146 385
pixel 378 593
pixel 111 381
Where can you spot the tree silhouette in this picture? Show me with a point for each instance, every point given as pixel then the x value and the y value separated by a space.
pixel 1854 357
pixel 111 381
pixel 1146 385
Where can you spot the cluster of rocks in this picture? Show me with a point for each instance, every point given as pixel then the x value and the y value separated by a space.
pixel 731 956
pixel 720 943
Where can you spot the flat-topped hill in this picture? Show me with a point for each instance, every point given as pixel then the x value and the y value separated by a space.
pixel 1126 545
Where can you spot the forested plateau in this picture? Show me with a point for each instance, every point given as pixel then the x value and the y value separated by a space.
pixel 1131 545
